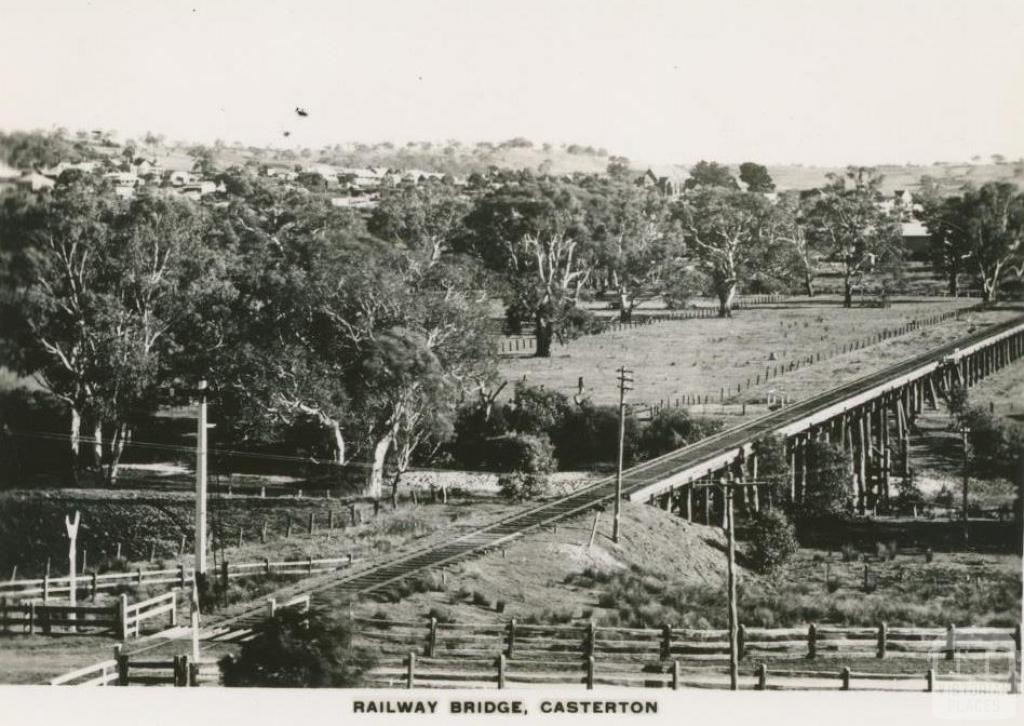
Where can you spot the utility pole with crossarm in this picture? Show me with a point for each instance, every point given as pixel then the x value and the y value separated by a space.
pixel 625 379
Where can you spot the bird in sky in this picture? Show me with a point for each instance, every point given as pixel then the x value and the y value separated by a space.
pixel 301 111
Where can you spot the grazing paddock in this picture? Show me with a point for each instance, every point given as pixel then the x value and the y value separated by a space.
pixel 674 359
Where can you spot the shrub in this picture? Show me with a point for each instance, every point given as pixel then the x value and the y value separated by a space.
pixel 442 615
pixel 480 599
pixel 473 426
pixel 589 435
pixel 299 650
pixel 522 453
pixel 673 428
pixel 521 487
pixel 576 322
pixel 683 285
pixel 537 410
pixel 772 541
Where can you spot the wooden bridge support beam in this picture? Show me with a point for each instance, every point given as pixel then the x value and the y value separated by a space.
pixel 886 451
pixel 860 462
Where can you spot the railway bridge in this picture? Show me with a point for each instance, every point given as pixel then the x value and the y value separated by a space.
pixel 870 418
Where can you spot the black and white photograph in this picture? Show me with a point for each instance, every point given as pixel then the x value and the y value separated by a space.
pixel 511 362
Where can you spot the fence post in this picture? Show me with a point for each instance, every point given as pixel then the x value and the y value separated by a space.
pixel 883 632
pixel 501 670
pixel 272 605
pixel 3 613
pixel 181 576
pixel 309 564
pixel 410 676
pixel 266 565
pixel 812 641
pixel 122 669
pixel 511 638
pixel 176 669
pixel 122 616
pixel 950 641
pixel 93 586
pixel 224 573
pixel 591 637
pixel 666 641
pixel 741 641
pixel 174 608
pixel 675 675
pixel 310 528
pixel 590 673
pixel 193 674
pixel 432 638
pixel 46 587
pixel 846 678
pixel 31 617
pixel 930 680
pixel 762 677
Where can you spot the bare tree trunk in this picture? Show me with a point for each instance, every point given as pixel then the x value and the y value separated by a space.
pixel 954 287
pixel 847 291
pixel 544 333
pixel 375 482
pixel 97 452
pixel 117 444
pixel 339 443
pixel 725 297
pixel 625 305
pixel 74 441
pixel 809 283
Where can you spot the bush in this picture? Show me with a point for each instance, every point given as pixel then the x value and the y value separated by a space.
pixel 772 541
pixel 537 410
pixel 683 285
pixel 576 322
pixel 299 650
pixel 521 487
pixel 589 435
pixel 480 599
pixel 521 452
pixel 673 428
pixel 473 427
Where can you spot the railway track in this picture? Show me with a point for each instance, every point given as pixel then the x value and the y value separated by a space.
pixel 503 531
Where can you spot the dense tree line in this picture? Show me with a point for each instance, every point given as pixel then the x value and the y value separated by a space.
pixel 374 328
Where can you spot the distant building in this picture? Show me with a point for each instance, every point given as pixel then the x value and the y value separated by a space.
pixel 35 181
pixel 179 178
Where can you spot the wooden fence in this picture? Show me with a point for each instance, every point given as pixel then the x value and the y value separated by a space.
pixel 464 655
pixel 92 583
pixel 518 344
pixel 126 670
pixel 35 617
pixel 133 616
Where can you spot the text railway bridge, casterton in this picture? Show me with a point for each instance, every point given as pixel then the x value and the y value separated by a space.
pixel 870 417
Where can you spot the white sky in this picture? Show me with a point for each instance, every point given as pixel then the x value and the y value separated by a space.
pixel 811 81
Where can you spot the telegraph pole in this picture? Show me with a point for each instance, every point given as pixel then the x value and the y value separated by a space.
pixel 734 648
pixel 964 431
pixel 200 545
pixel 625 378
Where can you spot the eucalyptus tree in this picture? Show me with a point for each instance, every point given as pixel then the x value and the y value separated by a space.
pixel 91 300
pixel 728 233
pixel 849 223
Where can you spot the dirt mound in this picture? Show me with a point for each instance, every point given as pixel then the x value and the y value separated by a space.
pixel 530 575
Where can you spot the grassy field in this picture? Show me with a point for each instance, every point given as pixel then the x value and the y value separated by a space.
pixel 672 359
